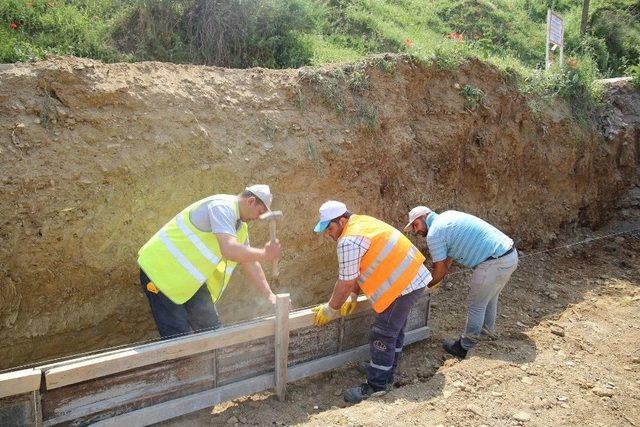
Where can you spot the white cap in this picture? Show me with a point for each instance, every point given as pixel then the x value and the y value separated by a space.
pixel 415 213
pixel 328 211
pixel 262 192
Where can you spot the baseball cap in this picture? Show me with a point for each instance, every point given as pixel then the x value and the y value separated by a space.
pixel 416 212
pixel 328 211
pixel 262 192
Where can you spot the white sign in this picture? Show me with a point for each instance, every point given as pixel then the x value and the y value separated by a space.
pixel 556 29
pixel 555 36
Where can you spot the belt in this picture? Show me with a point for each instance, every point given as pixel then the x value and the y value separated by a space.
pixel 511 249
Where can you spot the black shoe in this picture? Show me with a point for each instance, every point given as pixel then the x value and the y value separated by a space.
pixel 363 392
pixel 454 348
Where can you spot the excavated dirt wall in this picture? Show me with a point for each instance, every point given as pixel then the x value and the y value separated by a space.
pixel 95 158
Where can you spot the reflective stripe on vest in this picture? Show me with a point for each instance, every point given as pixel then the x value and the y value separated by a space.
pixel 390 264
pixel 179 259
pixel 179 256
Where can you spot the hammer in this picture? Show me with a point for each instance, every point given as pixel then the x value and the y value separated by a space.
pixel 273 216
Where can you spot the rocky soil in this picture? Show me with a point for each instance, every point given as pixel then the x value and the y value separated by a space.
pixel 94 158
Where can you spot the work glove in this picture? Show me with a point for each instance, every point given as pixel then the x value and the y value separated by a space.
pixel 434 288
pixel 349 305
pixel 324 314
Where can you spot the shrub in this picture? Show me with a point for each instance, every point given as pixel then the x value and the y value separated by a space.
pixel 32 29
pixel 152 30
pixel 245 33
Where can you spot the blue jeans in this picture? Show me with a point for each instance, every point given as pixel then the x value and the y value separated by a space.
pixel 487 281
pixel 199 313
pixel 387 339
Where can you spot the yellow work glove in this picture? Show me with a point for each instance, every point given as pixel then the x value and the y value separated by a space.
pixel 324 314
pixel 349 305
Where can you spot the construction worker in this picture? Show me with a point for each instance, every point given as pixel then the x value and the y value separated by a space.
pixel 377 259
pixel 201 246
pixel 472 242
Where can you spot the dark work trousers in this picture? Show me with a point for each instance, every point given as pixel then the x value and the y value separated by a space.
pixel 173 319
pixel 387 339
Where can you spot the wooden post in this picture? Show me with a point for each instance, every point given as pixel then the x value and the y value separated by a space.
pixel 283 303
pixel 585 17
pixel 547 64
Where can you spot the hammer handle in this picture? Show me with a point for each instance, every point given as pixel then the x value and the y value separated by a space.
pixel 275 272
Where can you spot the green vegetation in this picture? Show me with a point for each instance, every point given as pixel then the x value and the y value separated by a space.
pixel 293 33
pixel 473 97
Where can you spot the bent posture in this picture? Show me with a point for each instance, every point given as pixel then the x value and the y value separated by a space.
pixel 186 265
pixel 377 259
pixel 472 242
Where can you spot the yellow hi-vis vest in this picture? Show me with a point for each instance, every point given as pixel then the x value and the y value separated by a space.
pixel 180 258
pixel 390 264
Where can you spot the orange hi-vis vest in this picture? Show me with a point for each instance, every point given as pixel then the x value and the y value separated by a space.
pixel 390 264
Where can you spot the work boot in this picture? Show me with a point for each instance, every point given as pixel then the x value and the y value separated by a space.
pixel 362 367
pixel 362 392
pixel 454 348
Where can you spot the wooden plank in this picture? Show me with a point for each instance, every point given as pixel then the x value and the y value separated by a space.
pixel 116 394
pixel 304 318
pixel 313 342
pixel 19 410
pixel 94 366
pixel 150 354
pixel 282 344
pixel 188 404
pixel 19 382
pixel 334 361
pixel 206 399
pixel 70 359
pixel 245 360
pixel 357 330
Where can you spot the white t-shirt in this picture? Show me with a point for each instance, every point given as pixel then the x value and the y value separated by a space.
pixel 218 215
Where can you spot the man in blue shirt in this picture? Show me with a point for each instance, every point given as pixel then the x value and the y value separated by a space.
pixel 472 242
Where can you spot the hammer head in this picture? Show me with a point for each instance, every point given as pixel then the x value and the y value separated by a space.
pixel 271 215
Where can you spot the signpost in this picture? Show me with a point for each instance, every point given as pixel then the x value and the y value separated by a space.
pixel 555 36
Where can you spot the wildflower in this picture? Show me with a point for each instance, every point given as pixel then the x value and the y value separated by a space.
pixel 408 42
pixel 456 36
pixel 13 26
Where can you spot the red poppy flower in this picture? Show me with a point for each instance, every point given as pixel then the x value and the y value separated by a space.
pixel 13 26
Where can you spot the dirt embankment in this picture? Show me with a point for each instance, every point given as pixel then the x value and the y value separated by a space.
pixel 94 158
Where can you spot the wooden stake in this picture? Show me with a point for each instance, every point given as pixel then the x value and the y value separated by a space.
pixel 283 303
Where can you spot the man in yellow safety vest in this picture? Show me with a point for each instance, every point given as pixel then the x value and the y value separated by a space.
pixel 377 259
pixel 186 265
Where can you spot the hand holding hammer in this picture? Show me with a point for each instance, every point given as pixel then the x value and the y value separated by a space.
pixel 272 217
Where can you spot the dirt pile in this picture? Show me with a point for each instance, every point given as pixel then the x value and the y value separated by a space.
pixel 95 158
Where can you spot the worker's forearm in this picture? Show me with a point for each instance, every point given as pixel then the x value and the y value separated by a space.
pixel 240 253
pixel 341 292
pixel 440 270
pixel 257 277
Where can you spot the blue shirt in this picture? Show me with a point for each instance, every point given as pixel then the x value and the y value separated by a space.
pixel 465 238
